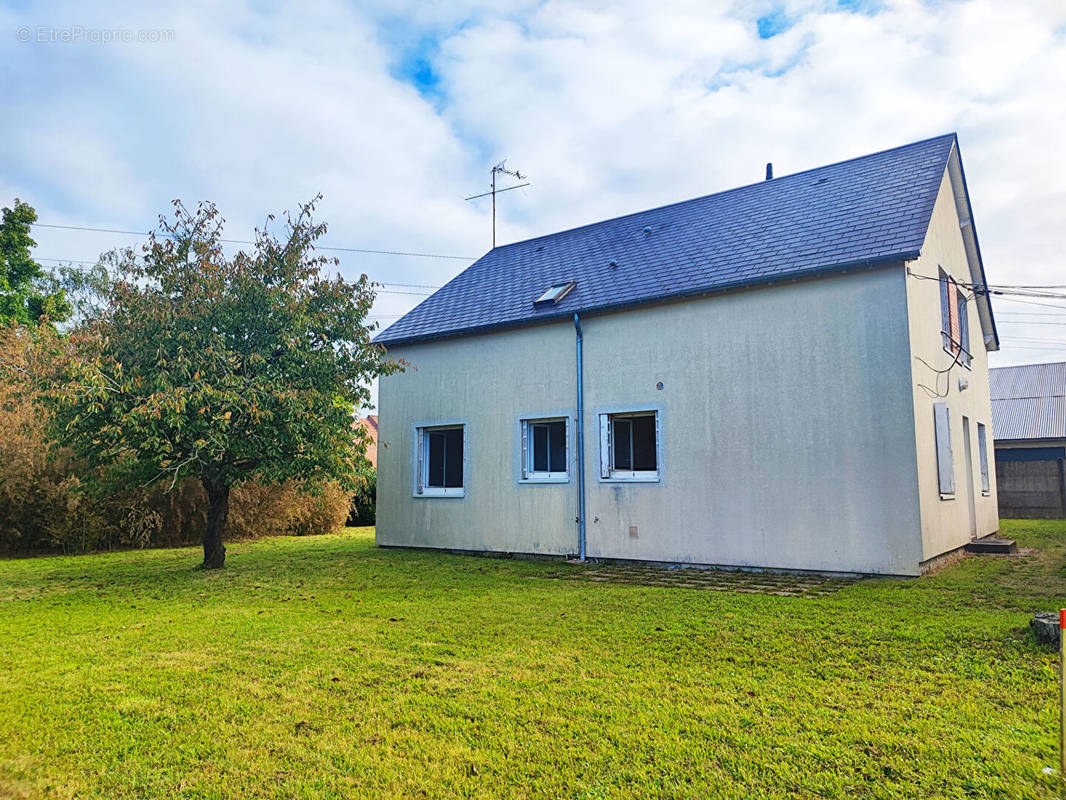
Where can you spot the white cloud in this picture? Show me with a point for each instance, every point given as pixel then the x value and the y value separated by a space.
pixel 610 107
pixel 653 106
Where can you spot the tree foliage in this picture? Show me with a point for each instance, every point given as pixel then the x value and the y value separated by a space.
pixel 43 505
pixel 223 369
pixel 364 500
pixel 28 292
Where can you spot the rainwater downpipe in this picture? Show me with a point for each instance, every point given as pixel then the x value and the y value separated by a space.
pixel 580 443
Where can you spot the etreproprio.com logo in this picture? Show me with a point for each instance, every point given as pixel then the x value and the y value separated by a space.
pixel 70 34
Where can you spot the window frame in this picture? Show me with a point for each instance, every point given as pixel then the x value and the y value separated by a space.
pixel 982 455
pixel 956 349
pixel 608 473
pixel 965 357
pixel 420 460
pixel 526 473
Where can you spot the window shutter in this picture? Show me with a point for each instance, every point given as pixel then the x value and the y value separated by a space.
pixel 945 313
pixel 964 322
pixel 525 449
pixel 944 461
pixel 953 314
pixel 419 462
pixel 605 445
pixel 982 446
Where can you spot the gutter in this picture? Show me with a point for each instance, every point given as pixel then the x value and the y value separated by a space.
pixel 580 439
pixel 524 322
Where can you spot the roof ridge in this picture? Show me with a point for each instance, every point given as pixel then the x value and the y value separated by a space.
pixel 873 209
pixel 747 186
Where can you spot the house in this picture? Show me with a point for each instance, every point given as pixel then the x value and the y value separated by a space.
pixel 369 426
pixel 788 375
pixel 1029 429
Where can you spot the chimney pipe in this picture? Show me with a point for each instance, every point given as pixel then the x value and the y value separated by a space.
pixel 769 171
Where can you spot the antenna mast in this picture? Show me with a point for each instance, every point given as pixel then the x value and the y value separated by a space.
pixel 500 169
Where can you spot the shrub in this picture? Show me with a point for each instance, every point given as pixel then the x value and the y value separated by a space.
pixel 287 508
pixel 324 511
pixel 38 506
pixel 364 501
pixel 44 505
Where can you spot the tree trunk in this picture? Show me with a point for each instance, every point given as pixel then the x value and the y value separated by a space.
pixel 217 511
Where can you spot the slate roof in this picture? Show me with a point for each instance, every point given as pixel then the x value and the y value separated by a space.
pixel 1028 401
pixel 854 213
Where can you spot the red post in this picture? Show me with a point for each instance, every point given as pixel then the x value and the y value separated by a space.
pixel 1062 693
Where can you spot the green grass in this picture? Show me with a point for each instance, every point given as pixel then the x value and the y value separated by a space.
pixel 323 667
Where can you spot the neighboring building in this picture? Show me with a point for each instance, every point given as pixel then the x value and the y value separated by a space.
pixel 741 379
pixel 1029 426
pixel 369 424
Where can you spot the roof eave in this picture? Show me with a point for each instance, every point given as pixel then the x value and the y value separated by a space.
pixel 973 247
pixel 561 314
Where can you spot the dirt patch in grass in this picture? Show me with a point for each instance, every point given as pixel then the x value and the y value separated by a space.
pixel 718 580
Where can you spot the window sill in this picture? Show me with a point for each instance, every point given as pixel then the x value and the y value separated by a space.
pixel 947 497
pixel 631 477
pixel 965 357
pixel 986 494
pixel 461 492
pixel 546 478
pixel 964 361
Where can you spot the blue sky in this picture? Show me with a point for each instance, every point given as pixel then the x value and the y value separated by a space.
pixel 395 112
pixel 773 23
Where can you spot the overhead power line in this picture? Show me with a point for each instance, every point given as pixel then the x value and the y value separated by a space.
pixel 379 283
pixel 1002 291
pixel 1040 339
pixel 1058 314
pixel 1030 302
pixel 1045 349
pixel 249 241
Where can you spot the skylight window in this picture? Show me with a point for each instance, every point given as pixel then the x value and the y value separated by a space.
pixel 556 293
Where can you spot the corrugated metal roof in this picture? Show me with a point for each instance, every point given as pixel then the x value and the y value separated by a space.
pixel 1028 380
pixel 1029 401
pixel 867 210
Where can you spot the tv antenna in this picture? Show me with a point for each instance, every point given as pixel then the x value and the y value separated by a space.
pixel 500 169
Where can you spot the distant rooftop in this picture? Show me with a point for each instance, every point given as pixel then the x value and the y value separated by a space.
pixel 863 212
pixel 1029 401
pixel 369 424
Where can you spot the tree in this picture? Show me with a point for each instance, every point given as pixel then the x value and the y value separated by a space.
pixel 223 369
pixel 28 292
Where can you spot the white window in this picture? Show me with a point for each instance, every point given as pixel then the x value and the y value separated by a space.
pixel 944 459
pixel 545 450
pixel 982 446
pixel 629 446
pixel 440 461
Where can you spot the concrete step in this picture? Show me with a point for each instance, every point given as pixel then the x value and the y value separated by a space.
pixel 991 544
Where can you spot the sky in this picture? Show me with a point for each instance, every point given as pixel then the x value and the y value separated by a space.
pixel 395 111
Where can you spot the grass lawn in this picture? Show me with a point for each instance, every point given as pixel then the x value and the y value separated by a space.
pixel 323 667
